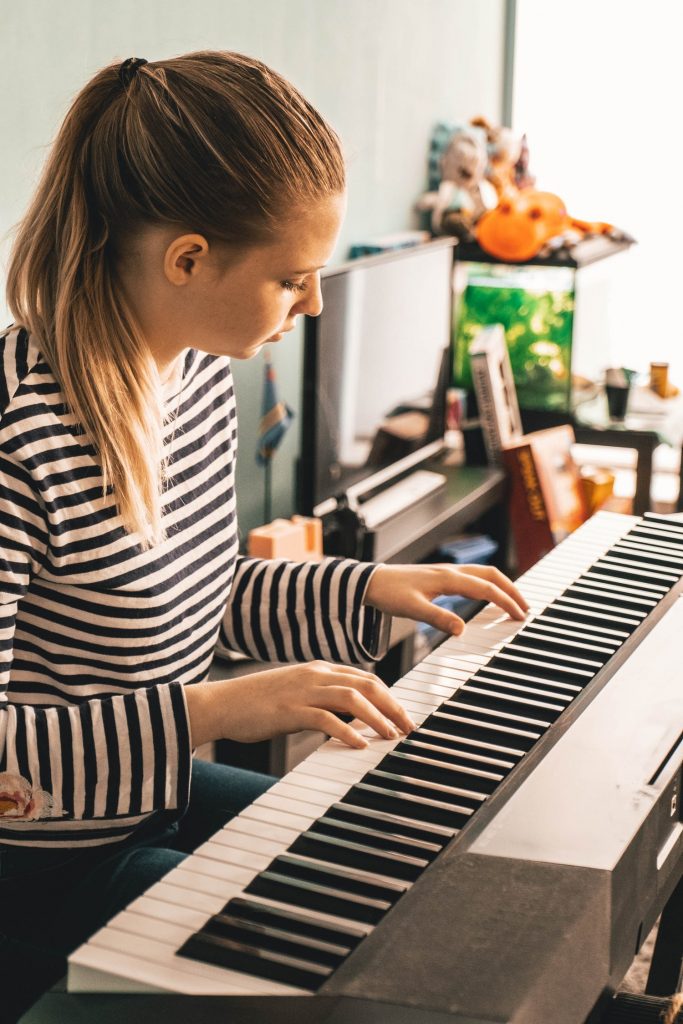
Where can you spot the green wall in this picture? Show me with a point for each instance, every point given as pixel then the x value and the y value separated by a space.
pixel 381 71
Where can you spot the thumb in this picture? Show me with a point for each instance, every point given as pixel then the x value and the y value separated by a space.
pixel 440 618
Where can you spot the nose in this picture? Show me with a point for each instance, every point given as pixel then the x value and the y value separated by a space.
pixel 311 302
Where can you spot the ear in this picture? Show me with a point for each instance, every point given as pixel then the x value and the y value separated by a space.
pixel 184 258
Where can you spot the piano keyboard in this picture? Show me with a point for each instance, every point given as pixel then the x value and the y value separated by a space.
pixel 283 894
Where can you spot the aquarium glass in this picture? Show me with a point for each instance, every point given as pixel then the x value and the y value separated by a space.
pixel 535 305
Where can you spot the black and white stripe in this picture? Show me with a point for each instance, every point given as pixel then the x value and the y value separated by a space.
pixel 99 637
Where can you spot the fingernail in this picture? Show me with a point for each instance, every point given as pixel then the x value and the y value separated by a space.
pixel 392 733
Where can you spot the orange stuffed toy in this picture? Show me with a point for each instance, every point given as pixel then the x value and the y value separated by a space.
pixel 527 221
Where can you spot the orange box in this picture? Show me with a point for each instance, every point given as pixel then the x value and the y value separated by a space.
pixel 299 539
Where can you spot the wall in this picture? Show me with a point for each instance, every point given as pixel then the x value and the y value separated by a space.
pixel 381 71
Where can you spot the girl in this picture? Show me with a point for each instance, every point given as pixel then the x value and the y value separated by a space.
pixel 183 218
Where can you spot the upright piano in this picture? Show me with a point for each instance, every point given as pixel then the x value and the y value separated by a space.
pixel 504 862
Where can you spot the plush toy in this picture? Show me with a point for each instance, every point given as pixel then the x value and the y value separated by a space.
pixel 528 223
pixel 504 150
pixel 463 193
pixel 522 177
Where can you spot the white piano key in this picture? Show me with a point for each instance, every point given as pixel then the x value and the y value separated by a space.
pixel 224 869
pixel 192 880
pixel 428 700
pixel 443 672
pixel 181 916
pixel 295 794
pixel 160 959
pixel 248 830
pixel 288 818
pixel 326 771
pixel 92 963
pixel 246 845
pixel 231 855
pixel 170 933
pixel 424 682
pixel 183 899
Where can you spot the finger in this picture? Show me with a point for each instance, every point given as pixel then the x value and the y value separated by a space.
pixel 381 696
pixel 325 721
pixel 471 585
pixel 378 693
pixel 490 572
pixel 439 618
pixel 350 701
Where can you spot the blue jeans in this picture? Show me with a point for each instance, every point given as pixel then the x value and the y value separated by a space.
pixel 51 901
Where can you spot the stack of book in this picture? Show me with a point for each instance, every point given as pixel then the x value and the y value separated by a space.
pixel 546 495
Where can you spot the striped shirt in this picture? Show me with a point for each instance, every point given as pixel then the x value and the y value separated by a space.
pixel 99 636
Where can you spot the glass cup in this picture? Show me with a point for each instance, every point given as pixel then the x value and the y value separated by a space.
pixel 617 387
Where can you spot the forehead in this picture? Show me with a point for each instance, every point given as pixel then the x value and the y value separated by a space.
pixel 307 235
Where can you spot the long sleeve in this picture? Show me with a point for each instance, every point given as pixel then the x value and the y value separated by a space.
pixel 297 612
pixel 115 757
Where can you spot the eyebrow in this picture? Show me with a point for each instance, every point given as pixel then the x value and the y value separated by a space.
pixel 309 270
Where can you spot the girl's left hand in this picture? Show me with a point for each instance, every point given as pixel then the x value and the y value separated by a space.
pixel 408 591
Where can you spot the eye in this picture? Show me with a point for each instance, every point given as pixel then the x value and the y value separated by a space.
pixel 294 286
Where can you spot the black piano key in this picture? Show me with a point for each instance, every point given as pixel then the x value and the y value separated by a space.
pixel 327 899
pixel 592 611
pixel 619 572
pixel 635 565
pixel 582 596
pixel 236 956
pixel 508 660
pixel 464 728
pixel 468 765
pixel 621 586
pixel 442 746
pixel 552 690
pixel 656 519
pixel 547 623
pixel 662 554
pixel 522 649
pixel 624 600
pixel 462 801
pixel 534 677
pixel 561 646
pixel 268 936
pixel 658 535
pixel 518 700
pixel 356 854
pixel 511 724
pixel 644 553
pixel 339 876
pixel 406 805
pixel 516 710
pixel 394 825
pixel 431 770
pixel 595 621
pixel 294 922
pixel 336 825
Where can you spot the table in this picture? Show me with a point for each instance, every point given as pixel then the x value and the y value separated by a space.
pixel 649 422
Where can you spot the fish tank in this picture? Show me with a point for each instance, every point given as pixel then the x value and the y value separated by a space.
pixel 536 307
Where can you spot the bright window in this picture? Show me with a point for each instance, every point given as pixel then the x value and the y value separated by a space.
pixel 598 88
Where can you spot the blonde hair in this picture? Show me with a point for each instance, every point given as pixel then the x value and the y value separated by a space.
pixel 213 142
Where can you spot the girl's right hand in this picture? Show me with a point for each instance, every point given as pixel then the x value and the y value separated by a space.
pixel 292 698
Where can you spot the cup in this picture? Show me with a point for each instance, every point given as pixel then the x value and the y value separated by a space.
pixel 659 379
pixel 617 387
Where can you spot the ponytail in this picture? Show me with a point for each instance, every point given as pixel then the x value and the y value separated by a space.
pixel 251 146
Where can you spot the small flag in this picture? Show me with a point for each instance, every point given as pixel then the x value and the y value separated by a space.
pixel 276 417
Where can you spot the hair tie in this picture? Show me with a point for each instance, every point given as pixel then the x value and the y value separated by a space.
pixel 128 69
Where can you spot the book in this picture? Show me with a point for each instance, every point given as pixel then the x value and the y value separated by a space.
pixel 546 497
pixel 494 388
